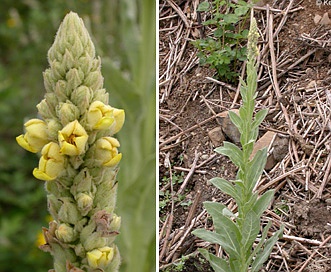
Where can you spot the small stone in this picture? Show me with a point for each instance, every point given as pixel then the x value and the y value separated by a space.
pixel 216 136
pixel 329 58
pixel 325 19
pixel 204 156
pixel 280 146
pixel 230 130
pixel 317 19
pixel 311 84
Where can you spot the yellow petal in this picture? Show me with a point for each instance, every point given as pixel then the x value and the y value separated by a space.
pixel 41 175
pixel 23 143
pixel 119 116
pixel 36 128
pixel 114 161
pixel 93 258
pixel 104 123
pixel 72 139
pixel 69 149
pixel 100 116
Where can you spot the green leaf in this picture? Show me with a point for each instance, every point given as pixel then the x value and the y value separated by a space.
pixel 218 264
pixel 225 186
pixel 231 18
pixel 262 256
pixel 218 33
pixel 233 152
pixel 224 225
pixel 217 238
pixel 236 120
pixel 259 117
pixel 203 6
pixel 250 230
pixel 241 10
pixel 255 169
pixel 263 202
pixel 260 243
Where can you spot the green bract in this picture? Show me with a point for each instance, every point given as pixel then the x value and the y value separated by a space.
pixel 237 234
pixel 79 156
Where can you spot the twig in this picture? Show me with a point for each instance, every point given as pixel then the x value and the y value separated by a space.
pixel 313 254
pixel 189 175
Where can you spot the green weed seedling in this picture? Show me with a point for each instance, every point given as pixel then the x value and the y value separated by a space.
pixel 223 51
pixel 237 233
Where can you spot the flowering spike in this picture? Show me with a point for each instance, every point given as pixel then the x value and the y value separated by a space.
pixel 79 156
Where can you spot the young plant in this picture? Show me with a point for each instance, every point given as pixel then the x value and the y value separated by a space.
pixel 237 233
pixel 79 156
pixel 224 50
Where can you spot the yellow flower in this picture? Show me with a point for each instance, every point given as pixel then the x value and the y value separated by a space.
pixel 72 139
pixel 35 137
pixel 101 257
pixel 106 151
pixel 51 162
pixel 100 116
pixel 40 239
pixel 119 116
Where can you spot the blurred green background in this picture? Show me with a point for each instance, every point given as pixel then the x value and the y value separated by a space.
pixel 124 35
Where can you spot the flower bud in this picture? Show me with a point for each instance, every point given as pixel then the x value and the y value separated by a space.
pixel 77 47
pixel 68 212
pixel 100 116
pixel 58 71
pixel 74 78
pixel 84 203
pixel 48 81
pixel 105 196
pixel 85 63
pixel 51 163
pixel 45 110
pixel 68 60
pixel 101 257
pixel 115 223
pixel 53 127
pixel 106 152
pixel 61 90
pixel 94 80
pixel 68 112
pixel 101 95
pixel 72 139
pixel 82 182
pixel 81 97
pixel 52 101
pixel 35 137
pixel 94 240
pixel 65 233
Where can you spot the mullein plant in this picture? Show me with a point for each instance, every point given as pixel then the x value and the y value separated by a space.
pixel 239 234
pixel 78 154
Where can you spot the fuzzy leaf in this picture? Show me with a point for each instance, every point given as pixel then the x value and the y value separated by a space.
pixel 263 202
pixel 261 242
pixel 236 120
pixel 225 186
pixel 251 228
pixel 224 225
pixel 218 264
pixel 227 233
pixel 217 238
pixel 255 169
pixel 259 117
pixel 233 152
pixel 263 255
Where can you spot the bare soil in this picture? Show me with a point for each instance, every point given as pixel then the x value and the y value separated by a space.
pixel 295 87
